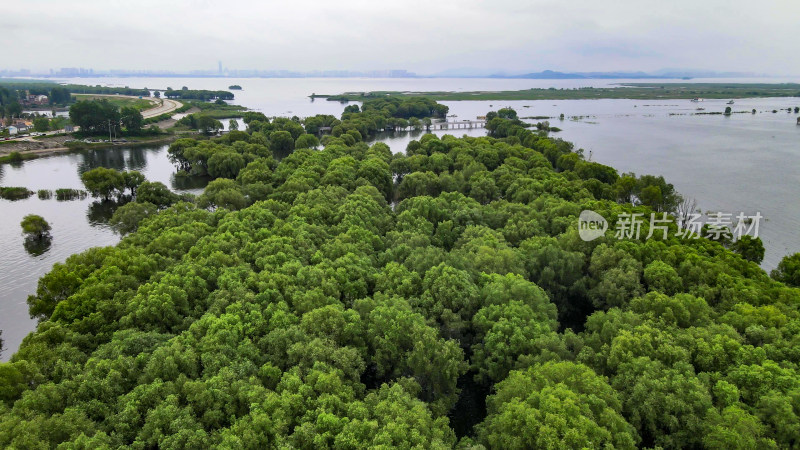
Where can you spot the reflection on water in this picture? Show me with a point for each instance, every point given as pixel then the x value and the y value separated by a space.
pixel 102 158
pixel 136 159
pixel 36 247
pixel 129 159
pixel 100 211
pixel 189 183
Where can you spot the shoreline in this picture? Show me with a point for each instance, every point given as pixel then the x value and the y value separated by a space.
pixel 51 151
pixel 627 91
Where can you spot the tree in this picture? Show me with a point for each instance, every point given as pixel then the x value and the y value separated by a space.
pixel 127 217
pixel 132 119
pixel 13 109
pixel 233 125
pixel 59 96
pixel 751 249
pixel 281 142
pixel 225 164
pixel 103 182
pixel 35 227
pixel 132 180
pixel 208 124
pixel 306 141
pixel 41 124
pixel 506 113
pixel 555 405
pixel 788 270
pixel 156 193
pixel 223 193
pixel 95 116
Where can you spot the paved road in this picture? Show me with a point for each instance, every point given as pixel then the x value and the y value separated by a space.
pixel 162 106
pixel 166 106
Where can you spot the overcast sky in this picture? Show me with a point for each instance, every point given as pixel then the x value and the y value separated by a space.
pixel 425 36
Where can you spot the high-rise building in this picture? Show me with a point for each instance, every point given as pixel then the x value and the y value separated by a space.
pixel 219 64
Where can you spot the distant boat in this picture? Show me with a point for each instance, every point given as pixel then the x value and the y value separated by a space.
pixel 730 102
pixel 696 99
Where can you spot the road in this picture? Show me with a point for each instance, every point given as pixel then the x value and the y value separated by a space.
pixel 166 106
pixel 163 105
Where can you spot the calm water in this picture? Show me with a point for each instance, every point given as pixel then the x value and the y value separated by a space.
pixel 739 163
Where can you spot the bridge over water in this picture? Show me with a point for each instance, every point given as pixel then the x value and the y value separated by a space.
pixel 463 124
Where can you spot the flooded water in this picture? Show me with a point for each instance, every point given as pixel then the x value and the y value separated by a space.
pixel 76 225
pixel 740 163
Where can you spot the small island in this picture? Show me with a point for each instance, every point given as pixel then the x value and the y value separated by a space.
pixel 235 87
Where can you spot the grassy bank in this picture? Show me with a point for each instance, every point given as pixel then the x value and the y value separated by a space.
pixel 121 102
pixel 17 157
pixel 218 111
pixel 133 141
pixel 24 155
pixel 639 91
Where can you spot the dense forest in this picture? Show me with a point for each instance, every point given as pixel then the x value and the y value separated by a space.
pixel 348 298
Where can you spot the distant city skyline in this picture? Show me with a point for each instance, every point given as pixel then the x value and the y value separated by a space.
pixel 220 71
pixel 225 72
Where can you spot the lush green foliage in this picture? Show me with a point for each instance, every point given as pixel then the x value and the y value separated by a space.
pixel 788 270
pixel 349 298
pixel 105 183
pixel 197 94
pixel 14 193
pixel 386 114
pixel 102 116
pixel 35 227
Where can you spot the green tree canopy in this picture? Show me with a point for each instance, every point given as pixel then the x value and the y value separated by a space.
pixel 35 227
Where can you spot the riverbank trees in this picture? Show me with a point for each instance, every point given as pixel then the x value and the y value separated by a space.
pixel 197 94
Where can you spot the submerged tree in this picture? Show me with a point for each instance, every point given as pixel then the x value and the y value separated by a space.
pixel 37 234
pixel 35 227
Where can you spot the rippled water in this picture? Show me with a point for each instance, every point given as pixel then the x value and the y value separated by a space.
pixel 744 162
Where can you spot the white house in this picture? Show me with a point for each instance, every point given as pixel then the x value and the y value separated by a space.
pixel 12 130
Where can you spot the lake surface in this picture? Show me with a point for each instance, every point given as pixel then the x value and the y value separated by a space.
pixel 741 163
